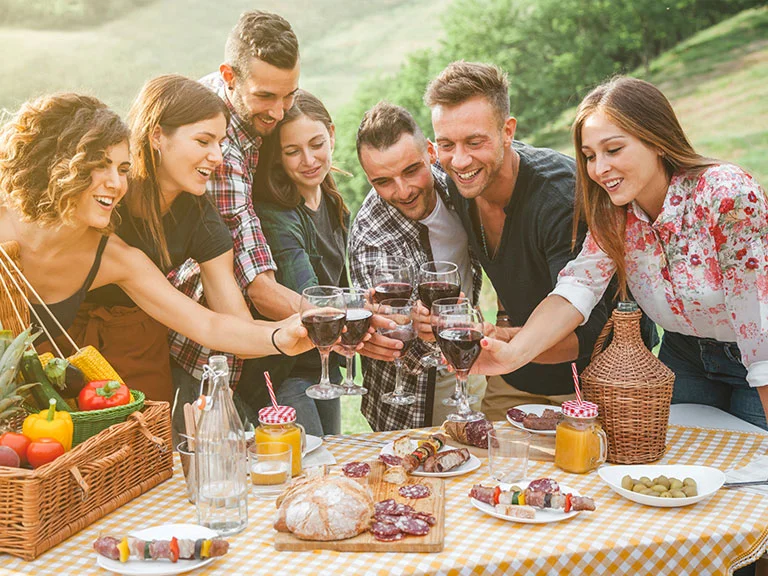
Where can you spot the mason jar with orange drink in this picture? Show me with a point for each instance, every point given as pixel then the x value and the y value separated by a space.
pixel 580 443
pixel 278 424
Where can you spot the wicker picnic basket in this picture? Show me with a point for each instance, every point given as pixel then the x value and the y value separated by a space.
pixel 13 302
pixel 632 389
pixel 40 508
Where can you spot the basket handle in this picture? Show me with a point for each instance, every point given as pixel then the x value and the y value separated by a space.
pixel 106 462
pixel 604 333
pixel 144 429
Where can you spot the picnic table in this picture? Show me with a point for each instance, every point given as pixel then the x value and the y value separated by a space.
pixel 712 537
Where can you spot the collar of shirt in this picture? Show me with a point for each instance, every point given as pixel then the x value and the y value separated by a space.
pixel 676 201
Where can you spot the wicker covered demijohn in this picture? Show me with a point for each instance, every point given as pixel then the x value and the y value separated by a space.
pixel 632 388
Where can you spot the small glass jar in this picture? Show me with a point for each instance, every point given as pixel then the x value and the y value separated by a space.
pixel 279 425
pixel 580 443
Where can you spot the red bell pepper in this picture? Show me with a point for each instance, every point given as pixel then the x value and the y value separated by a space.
pixel 101 394
pixel 43 451
pixel 174 549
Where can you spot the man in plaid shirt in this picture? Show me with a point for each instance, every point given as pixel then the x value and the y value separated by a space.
pixel 408 213
pixel 258 82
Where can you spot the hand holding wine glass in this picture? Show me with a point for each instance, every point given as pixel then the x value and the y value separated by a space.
pixel 323 313
pixel 358 320
pixel 459 333
pixel 392 279
pixel 450 306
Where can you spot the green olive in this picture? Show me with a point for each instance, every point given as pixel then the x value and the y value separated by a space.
pixel 645 480
pixel 675 484
pixel 627 482
pixel 689 482
pixel 677 493
pixel 665 495
pixel 690 491
pixel 639 488
pixel 659 488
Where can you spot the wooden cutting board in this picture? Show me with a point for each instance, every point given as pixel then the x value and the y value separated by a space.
pixel 365 542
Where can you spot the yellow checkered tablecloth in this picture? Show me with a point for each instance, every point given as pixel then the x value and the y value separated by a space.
pixel 621 537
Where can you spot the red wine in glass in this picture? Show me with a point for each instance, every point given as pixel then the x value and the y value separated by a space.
pixel 324 328
pixel 460 346
pixel 358 321
pixel 405 334
pixel 388 290
pixel 431 291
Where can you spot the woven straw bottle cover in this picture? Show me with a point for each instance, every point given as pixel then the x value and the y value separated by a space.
pixel 632 388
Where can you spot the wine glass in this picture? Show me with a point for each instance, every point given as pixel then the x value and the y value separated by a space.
pixel 437 279
pixel 358 321
pixel 453 306
pixel 399 311
pixel 323 314
pixel 459 334
pixel 392 278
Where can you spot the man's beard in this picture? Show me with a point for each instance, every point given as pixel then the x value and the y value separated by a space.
pixel 245 115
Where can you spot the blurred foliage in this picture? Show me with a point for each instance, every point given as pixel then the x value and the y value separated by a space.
pixel 553 50
pixel 64 14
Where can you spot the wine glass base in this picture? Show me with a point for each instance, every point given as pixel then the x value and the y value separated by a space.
pixel 451 400
pixel 468 417
pixel 354 390
pixel 405 400
pixel 325 392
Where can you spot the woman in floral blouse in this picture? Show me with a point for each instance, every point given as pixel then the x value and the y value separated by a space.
pixel 687 234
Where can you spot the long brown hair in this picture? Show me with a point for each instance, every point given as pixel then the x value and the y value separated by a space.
pixel 48 151
pixel 640 109
pixel 271 181
pixel 168 101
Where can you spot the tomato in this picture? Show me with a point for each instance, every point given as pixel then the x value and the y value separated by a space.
pixel 16 442
pixel 44 450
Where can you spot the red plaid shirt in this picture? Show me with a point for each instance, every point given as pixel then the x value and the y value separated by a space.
pixel 230 187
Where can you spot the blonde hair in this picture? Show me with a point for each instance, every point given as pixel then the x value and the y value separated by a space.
pixel 642 110
pixel 168 102
pixel 48 151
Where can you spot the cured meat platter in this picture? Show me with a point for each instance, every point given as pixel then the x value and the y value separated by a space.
pixel 433 504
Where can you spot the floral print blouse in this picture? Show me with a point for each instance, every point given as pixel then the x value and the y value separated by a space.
pixel 700 269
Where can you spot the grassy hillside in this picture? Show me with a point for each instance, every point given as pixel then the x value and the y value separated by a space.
pixel 717 82
pixel 341 41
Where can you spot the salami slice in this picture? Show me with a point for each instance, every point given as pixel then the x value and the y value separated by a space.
pixel 426 516
pixel 356 469
pixel 391 460
pixel 413 526
pixel 546 485
pixel 384 530
pixel 385 507
pixel 402 510
pixel 414 491
pixel 516 414
pixel 393 538
pixel 387 518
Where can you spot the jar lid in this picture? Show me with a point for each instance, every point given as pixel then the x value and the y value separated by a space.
pixel 281 415
pixel 575 409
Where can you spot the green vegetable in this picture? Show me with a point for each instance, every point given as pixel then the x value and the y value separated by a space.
pixel 56 371
pixel 33 372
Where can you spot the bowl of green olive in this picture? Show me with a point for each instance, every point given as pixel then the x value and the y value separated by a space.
pixel 664 486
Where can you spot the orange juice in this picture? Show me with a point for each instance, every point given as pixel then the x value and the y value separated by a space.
pixel 577 449
pixel 288 433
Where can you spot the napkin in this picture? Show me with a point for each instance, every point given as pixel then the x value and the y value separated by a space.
pixel 318 458
pixel 755 470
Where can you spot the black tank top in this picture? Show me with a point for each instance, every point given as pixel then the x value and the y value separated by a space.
pixel 66 310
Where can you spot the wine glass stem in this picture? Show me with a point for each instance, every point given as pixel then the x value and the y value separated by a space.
pixel 461 389
pixel 399 382
pixel 349 379
pixel 324 379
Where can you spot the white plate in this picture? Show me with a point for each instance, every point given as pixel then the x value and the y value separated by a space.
pixel 708 481
pixel 472 464
pixel 537 409
pixel 312 444
pixel 162 567
pixel 542 516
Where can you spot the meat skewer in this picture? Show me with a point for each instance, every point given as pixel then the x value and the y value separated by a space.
pixel 129 548
pixel 445 461
pixel 535 498
pixel 427 448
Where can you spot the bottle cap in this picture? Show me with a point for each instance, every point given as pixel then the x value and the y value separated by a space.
pixel 279 415
pixel 575 409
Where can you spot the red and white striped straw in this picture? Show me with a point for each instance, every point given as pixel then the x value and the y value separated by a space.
pixel 271 390
pixel 576 381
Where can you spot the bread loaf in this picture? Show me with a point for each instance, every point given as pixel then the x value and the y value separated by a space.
pixel 330 508
pixel 395 475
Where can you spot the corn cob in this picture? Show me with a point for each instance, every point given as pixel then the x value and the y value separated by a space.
pixel 45 358
pixel 93 365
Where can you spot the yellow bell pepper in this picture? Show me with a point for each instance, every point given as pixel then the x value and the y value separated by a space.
pixel 49 424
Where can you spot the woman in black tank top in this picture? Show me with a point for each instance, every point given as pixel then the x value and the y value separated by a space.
pixel 64 162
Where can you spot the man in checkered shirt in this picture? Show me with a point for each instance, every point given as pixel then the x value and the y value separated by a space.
pixel 408 214
pixel 258 82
